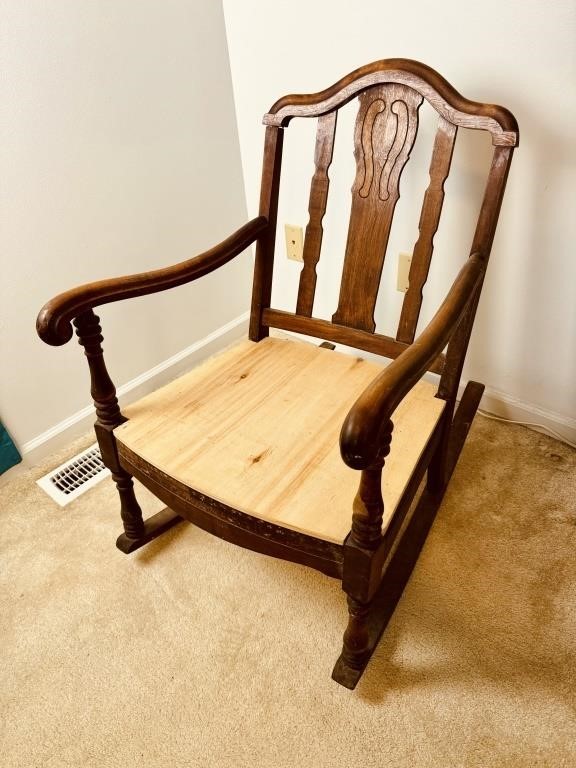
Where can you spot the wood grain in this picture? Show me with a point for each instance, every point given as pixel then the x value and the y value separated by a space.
pixel 377 343
pixel 445 99
pixel 316 208
pixel 429 220
pixel 232 525
pixel 385 131
pixel 53 324
pixel 247 445
pixel 481 243
pixel 108 416
pixel 365 428
pixel 256 428
pixel 264 261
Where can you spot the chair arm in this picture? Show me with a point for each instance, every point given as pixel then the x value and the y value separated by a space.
pixel 362 431
pixel 53 323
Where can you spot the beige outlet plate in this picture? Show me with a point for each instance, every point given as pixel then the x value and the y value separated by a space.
pixel 404 261
pixel 294 242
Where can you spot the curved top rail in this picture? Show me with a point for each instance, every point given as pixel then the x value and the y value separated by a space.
pixel 442 96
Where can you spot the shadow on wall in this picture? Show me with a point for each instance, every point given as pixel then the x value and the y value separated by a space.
pixel 526 300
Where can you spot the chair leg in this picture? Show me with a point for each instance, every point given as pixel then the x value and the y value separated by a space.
pixel 130 511
pixel 356 646
pixel 356 641
pixel 138 532
pixel 367 621
pixel 437 479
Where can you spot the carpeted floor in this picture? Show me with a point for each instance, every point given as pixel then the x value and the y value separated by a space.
pixel 193 652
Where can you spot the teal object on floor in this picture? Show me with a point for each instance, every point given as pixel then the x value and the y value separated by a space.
pixel 8 452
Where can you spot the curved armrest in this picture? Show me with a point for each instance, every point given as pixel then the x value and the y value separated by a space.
pixel 53 323
pixel 360 437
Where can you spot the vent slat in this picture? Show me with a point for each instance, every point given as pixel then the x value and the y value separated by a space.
pixel 76 476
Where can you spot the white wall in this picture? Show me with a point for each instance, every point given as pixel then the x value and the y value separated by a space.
pixel 119 153
pixel 519 53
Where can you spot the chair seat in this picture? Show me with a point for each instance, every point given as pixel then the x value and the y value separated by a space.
pixel 257 428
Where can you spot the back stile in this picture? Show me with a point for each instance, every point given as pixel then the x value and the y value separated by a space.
pixel 264 262
pixel 482 243
pixel 385 131
pixel 316 208
pixel 428 225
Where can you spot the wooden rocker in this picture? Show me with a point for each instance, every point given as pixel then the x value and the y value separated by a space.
pixel 279 445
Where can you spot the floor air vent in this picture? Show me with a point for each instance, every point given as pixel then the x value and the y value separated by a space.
pixel 74 477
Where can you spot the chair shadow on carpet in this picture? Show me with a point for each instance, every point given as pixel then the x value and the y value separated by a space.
pixel 462 618
pixel 487 604
pixel 478 623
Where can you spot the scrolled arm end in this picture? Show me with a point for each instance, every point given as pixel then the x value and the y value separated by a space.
pixel 54 321
pixel 361 438
pixel 53 327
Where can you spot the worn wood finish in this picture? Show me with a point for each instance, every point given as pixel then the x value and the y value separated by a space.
pixel 366 535
pixel 365 426
pixel 368 619
pixel 352 337
pixel 153 527
pixel 264 261
pixel 445 99
pixel 429 220
pixel 362 573
pixel 316 208
pixel 246 446
pixel 102 389
pixel 278 407
pixel 368 506
pixel 53 323
pixel 108 416
pixel 232 525
pixel 458 346
pixel 482 242
pixel 385 131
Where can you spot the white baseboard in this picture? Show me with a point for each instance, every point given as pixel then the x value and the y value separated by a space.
pixel 80 422
pixel 510 408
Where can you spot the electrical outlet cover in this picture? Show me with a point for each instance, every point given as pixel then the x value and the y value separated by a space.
pixel 294 242
pixel 404 261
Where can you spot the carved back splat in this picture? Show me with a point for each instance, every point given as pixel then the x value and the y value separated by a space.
pixel 385 131
pixel 390 93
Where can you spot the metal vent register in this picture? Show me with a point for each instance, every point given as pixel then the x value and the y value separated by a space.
pixel 74 477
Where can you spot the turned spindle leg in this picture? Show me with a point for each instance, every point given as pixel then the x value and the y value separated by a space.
pixel 365 536
pixel 108 416
pixel 356 646
pixel 130 511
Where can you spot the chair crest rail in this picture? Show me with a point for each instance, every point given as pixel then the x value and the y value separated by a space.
pixel 54 320
pixel 436 90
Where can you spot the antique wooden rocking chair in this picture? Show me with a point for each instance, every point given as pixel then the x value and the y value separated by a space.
pixel 246 445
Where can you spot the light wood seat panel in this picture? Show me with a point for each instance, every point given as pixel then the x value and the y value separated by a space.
pixel 257 428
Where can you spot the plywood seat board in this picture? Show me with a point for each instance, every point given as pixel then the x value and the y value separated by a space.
pixel 257 428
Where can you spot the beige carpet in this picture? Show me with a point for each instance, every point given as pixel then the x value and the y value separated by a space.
pixel 193 652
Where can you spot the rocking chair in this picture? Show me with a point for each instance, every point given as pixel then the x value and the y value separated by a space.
pixel 247 446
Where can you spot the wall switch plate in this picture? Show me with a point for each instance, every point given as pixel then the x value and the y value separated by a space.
pixel 294 242
pixel 404 261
